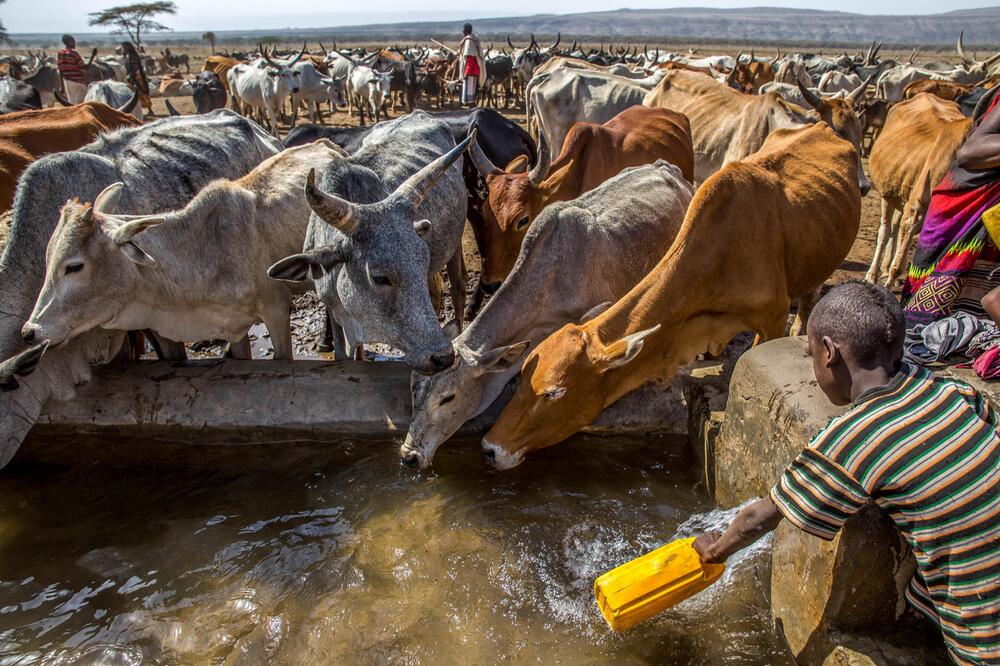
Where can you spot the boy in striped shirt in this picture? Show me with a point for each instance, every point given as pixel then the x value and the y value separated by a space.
pixel 923 448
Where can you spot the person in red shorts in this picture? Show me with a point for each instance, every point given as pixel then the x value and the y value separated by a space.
pixel 472 64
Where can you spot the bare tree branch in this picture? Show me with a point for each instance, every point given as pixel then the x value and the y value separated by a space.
pixel 134 19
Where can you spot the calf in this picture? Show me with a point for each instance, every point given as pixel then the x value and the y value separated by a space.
pixel 198 273
pixel 590 155
pixel 377 238
pixel 912 155
pixel 635 214
pixel 767 229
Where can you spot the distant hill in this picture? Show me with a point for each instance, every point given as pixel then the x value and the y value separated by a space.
pixel 706 25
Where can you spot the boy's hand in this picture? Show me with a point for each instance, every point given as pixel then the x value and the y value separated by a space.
pixel 704 545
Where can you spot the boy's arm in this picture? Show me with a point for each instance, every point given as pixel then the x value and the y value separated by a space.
pixel 751 524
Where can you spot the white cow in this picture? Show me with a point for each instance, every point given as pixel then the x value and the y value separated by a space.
pixel 115 94
pixel 198 273
pixel 263 86
pixel 367 87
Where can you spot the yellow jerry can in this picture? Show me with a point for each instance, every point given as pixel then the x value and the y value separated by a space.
pixel 650 584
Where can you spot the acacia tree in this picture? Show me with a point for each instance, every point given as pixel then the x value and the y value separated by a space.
pixel 133 20
pixel 3 30
pixel 208 37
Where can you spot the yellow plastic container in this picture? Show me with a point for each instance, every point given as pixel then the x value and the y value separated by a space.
pixel 650 584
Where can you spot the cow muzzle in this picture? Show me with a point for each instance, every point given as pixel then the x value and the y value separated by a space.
pixel 498 458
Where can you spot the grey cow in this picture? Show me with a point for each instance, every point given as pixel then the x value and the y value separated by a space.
pixel 215 145
pixel 199 273
pixel 376 239
pixel 611 236
pixel 115 94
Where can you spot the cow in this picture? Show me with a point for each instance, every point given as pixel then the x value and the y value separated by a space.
pixel 17 96
pixel 966 96
pixel 95 70
pixel 216 145
pixel 892 82
pixel 175 60
pixel 313 88
pixel 367 88
pixel 220 66
pixel 562 98
pixel 768 229
pixel 911 156
pixel 874 111
pixel 27 135
pixel 836 81
pixel 117 95
pixel 793 72
pixel 44 78
pixel 208 92
pixel 748 77
pixel 634 214
pixel 562 62
pixel 348 138
pixel 263 86
pixel 590 155
pixel 376 239
pixel 204 266
pixel 727 125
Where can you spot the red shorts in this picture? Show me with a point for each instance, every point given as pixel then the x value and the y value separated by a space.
pixel 471 66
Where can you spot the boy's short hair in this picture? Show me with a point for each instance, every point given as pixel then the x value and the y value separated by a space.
pixel 67 40
pixel 863 317
pixel 467 29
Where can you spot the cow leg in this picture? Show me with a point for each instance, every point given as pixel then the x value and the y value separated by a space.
pixel 240 350
pixel 277 318
pixel 908 227
pixel 435 285
pixel 478 296
pixel 881 241
pixel 457 278
pixel 892 242
pixel 773 327
pixel 166 350
pixel 272 115
pixel 806 305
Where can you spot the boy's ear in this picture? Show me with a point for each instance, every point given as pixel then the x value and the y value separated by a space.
pixel 832 351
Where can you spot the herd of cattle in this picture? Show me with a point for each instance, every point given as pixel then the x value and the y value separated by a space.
pixel 690 199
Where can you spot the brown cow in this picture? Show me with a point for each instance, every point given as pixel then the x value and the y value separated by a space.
pixel 590 155
pixel 221 66
pixel 758 234
pixel 27 135
pixel 948 90
pixel 912 155
pixel 749 76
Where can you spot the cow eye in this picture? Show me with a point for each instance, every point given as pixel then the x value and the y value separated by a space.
pixel 381 281
pixel 554 393
pixel 522 223
pixel 445 400
pixel 73 268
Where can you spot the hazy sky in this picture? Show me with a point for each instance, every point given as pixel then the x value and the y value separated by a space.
pixel 71 15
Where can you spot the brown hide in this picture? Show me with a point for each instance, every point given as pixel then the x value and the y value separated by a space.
pixel 27 135
pixel 590 155
pixel 911 156
pixel 947 90
pixel 220 65
pixel 758 234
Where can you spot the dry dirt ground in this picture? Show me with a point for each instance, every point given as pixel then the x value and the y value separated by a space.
pixel 308 319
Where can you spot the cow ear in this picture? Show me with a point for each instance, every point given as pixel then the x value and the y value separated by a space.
pixel 555 178
pixel 306 266
pixel 106 202
pixel 518 165
pixel 594 311
pixel 625 350
pixel 501 358
pixel 136 254
pixel 126 231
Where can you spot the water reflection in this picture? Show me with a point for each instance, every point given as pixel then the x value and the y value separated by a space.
pixel 339 555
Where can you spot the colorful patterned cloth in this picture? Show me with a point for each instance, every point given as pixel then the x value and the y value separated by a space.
pixel 927 451
pixel 955 257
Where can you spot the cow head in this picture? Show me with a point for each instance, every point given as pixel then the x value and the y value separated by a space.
pixel 845 116
pixel 972 65
pixel 380 265
pixel 748 77
pixel 446 400
pixel 561 390
pixel 513 201
pixel 91 268
pixel 285 78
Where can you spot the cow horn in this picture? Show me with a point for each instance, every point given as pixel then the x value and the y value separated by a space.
pixel 556 43
pixel 170 107
pixel 130 105
pixel 511 44
pixel 913 56
pixel 267 57
pixel 338 213
pixel 482 163
pixel 325 52
pixel 541 168
pixel 811 98
pixel 751 57
pixel 533 42
pixel 416 188
pixel 21 365
pixel 859 93
pixel 992 59
pixel 93 54
pixel 961 50
pixel 62 100
pixel 299 56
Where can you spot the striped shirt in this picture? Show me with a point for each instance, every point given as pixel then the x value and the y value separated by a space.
pixel 926 450
pixel 70 65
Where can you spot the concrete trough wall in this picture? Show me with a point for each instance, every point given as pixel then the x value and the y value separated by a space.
pixel 246 402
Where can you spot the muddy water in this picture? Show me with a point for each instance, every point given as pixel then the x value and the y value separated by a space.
pixel 297 555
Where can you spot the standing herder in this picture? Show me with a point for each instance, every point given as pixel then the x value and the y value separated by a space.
pixel 71 67
pixel 137 80
pixel 472 64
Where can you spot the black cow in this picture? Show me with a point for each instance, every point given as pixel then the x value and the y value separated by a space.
pixel 18 96
pixel 208 92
